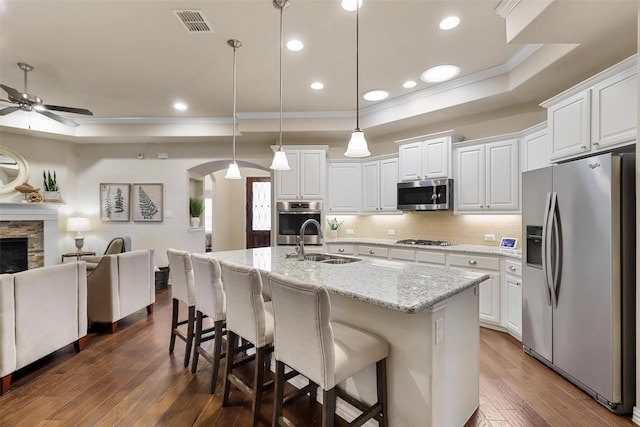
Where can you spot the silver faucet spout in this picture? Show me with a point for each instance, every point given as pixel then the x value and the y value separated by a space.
pixel 301 236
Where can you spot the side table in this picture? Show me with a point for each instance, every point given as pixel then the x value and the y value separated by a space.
pixel 76 255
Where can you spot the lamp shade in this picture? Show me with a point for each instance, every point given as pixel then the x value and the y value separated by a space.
pixel 357 145
pixel 233 172
pixel 280 161
pixel 78 224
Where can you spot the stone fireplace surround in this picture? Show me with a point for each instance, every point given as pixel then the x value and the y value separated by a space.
pixel 39 222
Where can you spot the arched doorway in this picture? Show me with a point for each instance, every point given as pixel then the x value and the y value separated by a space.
pixel 227 204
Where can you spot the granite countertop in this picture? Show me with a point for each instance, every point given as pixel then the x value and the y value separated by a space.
pixel 406 287
pixel 474 249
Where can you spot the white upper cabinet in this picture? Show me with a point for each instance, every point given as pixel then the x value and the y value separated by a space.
pixel 534 148
pixel 344 187
pixel 615 109
pixel 597 114
pixel 305 180
pixel 379 185
pixel 569 126
pixel 487 175
pixel 426 157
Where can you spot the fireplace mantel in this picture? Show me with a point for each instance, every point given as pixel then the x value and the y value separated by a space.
pixel 45 212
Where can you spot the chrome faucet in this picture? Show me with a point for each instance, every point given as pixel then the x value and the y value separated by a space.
pixel 300 238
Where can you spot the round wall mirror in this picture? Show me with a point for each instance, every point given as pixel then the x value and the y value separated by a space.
pixel 14 170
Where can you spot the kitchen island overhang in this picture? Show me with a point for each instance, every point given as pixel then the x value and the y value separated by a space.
pixel 429 316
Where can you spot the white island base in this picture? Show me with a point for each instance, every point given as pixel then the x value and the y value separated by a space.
pixel 432 381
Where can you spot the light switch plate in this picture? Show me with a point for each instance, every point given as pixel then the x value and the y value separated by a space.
pixel 349 230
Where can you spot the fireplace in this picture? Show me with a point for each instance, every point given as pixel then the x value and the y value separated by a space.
pixel 36 222
pixel 14 254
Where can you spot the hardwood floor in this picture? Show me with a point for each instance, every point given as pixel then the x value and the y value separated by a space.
pixel 130 379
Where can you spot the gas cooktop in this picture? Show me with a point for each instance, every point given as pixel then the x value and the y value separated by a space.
pixel 424 242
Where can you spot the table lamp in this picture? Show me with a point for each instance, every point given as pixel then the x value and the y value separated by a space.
pixel 78 224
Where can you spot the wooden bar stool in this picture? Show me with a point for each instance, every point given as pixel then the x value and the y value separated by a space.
pixel 210 302
pixel 182 289
pixel 325 352
pixel 250 318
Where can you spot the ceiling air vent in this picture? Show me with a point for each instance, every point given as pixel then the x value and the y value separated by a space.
pixel 193 20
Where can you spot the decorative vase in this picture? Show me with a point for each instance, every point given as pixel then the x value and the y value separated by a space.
pixel 51 196
pixel 333 234
pixel 195 221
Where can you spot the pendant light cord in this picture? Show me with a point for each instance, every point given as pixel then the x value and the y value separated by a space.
pixel 281 43
pixel 357 67
pixel 234 101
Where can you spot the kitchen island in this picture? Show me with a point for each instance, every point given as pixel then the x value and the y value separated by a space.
pixel 428 315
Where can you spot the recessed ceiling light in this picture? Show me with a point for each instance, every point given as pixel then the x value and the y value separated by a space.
pixel 317 85
pixel 350 5
pixel 180 106
pixel 295 45
pixel 409 84
pixel 449 23
pixel 376 95
pixel 440 73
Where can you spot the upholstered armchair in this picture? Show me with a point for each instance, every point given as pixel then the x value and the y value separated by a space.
pixel 117 245
pixel 120 285
pixel 41 311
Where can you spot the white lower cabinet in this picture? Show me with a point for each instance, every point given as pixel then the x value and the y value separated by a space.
pixel 500 298
pixel 489 289
pixel 513 297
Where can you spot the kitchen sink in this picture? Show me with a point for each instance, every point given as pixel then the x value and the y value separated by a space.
pixel 330 258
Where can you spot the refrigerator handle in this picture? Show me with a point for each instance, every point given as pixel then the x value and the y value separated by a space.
pixel 552 250
pixel 546 248
pixel 557 250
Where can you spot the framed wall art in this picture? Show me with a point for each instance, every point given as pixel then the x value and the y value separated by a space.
pixel 114 201
pixel 146 202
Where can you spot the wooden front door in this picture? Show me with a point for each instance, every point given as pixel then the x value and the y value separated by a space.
pixel 258 212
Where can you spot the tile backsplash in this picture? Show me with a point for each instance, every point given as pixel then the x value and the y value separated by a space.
pixel 439 225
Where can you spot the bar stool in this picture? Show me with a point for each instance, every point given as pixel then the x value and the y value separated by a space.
pixel 182 289
pixel 325 352
pixel 250 318
pixel 210 302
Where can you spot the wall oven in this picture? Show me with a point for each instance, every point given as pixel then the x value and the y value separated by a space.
pixel 290 217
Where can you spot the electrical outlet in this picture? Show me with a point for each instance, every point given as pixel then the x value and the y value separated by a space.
pixel 490 237
pixel 391 232
pixel 349 230
pixel 439 330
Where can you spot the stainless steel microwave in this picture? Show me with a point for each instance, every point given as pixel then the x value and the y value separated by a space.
pixel 426 195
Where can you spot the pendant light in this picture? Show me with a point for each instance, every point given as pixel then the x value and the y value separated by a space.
pixel 280 161
pixel 357 144
pixel 234 172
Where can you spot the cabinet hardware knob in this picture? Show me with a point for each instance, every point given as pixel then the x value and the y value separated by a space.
pixel 596 144
pixel 512 268
pixel 372 252
pixel 583 147
pixel 482 206
pixel 517 283
pixel 341 250
pixel 473 262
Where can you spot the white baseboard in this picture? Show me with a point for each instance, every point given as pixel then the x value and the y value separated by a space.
pixel 636 415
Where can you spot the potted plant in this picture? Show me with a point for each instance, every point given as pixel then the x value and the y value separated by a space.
pixel 196 206
pixel 334 224
pixel 51 191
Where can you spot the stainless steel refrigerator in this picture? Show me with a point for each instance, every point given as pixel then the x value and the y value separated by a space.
pixel 578 285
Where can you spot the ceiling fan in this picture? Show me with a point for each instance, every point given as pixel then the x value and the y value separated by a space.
pixel 28 102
